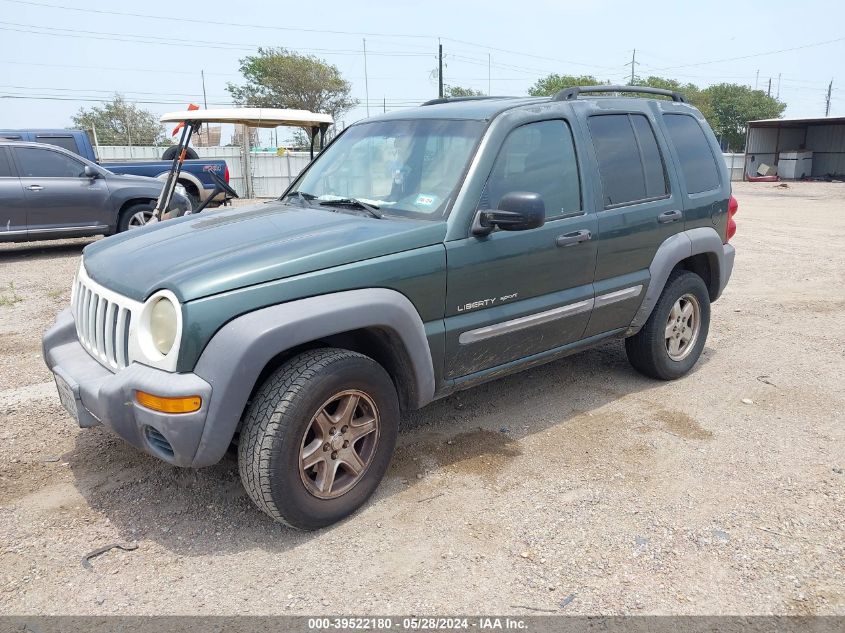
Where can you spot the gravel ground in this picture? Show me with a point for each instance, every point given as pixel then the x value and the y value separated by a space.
pixel 578 487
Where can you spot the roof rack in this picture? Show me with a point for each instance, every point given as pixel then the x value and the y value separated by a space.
pixel 568 94
pixel 455 99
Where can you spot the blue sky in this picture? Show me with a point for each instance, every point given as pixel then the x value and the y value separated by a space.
pixel 64 56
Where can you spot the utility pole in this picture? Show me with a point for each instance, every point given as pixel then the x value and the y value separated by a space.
pixel 633 63
pixel 440 68
pixel 204 99
pixel 827 105
pixel 769 91
pixel 384 105
pixel 366 79
pixel 757 79
pixel 778 93
pixel 488 74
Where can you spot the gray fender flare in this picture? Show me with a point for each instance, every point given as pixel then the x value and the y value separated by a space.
pixel 239 351
pixel 676 249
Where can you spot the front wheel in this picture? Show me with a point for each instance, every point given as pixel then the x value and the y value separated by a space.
pixel 318 436
pixel 673 337
pixel 135 216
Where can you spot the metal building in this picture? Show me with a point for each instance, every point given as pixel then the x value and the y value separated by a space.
pixel 769 141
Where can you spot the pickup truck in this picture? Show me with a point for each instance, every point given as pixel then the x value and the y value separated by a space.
pixel 195 175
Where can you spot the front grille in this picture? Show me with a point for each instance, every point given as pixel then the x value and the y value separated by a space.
pixel 103 320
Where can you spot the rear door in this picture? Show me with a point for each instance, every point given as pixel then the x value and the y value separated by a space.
pixel 639 207
pixel 58 196
pixel 12 210
pixel 513 294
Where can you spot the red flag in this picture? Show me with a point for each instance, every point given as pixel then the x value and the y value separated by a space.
pixel 180 125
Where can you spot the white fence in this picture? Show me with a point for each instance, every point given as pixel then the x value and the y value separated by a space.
pixel 269 174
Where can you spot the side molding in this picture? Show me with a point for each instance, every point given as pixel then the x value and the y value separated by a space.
pixel 676 249
pixel 232 361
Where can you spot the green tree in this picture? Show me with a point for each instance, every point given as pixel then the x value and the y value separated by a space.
pixel 279 78
pixel 460 91
pixel 552 84
pixel 693 93
pixel 121 123
pixel 732 106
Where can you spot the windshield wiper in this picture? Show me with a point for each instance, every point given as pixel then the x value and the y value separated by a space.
pixel 354 202
pixel 305 198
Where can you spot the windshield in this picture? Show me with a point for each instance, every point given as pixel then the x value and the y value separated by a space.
pixel 410 168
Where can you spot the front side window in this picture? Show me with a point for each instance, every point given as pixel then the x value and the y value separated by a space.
pixel 694 154
pixel 538 158
pixel 410 168
pixel 43 163
pixel 629 159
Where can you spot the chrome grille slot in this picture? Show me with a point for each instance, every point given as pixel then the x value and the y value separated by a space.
pixel 103 321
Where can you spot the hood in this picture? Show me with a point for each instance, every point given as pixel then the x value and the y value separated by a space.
pixel 201 255
pixel 136 180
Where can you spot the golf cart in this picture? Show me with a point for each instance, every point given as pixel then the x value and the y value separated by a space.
pixel 189 121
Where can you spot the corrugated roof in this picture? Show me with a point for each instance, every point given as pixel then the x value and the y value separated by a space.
pixel 831 120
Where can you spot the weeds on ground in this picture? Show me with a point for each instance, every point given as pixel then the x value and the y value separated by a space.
pixel 11 297
pixel 55 293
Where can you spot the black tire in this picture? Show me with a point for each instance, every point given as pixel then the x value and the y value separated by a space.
pixel 647 349
pixel 278 419
pixel 125 221
pixel 193 199
pixel 170 153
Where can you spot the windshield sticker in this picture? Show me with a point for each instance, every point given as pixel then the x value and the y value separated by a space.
pixel 424 200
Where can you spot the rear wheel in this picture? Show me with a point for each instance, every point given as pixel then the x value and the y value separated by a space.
pixel 318 436
pixel 673 337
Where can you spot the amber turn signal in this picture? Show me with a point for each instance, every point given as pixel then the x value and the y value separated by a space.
pixel 186 404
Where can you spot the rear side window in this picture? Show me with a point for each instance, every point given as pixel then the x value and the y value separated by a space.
pixel 697 161
pixel 5 167
pixel 44 163
pixel 629 159
pixel 65 142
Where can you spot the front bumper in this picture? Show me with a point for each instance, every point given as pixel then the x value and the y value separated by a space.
pixel 102 397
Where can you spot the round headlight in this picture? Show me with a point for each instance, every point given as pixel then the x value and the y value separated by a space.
pixel 163 324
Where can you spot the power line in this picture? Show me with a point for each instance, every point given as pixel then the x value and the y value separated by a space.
pixel 194 21
pixel 733 59
pixel 165 41
pixel 158 71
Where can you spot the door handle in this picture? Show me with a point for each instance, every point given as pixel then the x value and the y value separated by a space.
pixel 576 237
pixel 35 187
pixel 669 216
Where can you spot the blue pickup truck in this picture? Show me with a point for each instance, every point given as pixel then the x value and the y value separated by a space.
pixel 195 175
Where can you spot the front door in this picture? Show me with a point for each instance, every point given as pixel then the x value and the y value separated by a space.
pixel 12 211
pixel 59 196
pixel 513 294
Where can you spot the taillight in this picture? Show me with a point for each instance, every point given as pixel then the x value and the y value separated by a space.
pixel 226 175
pixel 733 207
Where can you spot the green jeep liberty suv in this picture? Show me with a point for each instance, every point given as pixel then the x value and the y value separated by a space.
pixel 424 251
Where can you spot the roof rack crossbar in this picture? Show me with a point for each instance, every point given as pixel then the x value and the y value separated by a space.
pixel 455 99
pixel 569 94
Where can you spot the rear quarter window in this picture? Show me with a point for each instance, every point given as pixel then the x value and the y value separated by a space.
pixel 65 142
pixel 694 154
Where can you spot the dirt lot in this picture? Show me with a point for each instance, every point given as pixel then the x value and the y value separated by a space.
pixel 577 487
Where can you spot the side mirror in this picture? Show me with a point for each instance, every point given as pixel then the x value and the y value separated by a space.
pixel 90 172
pixel 518 211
